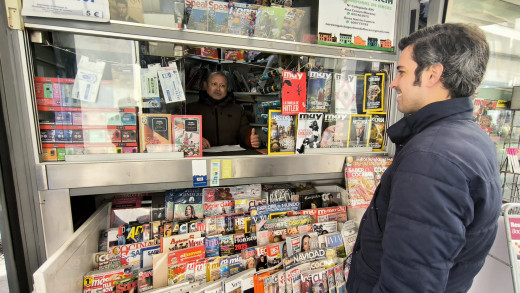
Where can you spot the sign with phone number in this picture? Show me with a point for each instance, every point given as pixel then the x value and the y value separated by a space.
pixel 87 10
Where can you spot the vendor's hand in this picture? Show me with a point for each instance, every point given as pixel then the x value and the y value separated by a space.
pixel 205 143
pixel 255 139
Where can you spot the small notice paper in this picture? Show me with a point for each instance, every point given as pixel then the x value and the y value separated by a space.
pixel 70 9
pixel 171 84
pixel 88 79
pixel 215 173
pixel 200 174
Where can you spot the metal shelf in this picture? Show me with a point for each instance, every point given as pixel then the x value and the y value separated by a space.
pixel 199 38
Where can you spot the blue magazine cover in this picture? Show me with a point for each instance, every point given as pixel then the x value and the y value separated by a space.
pixel 218 16
pixel 319 92
pixel 212 246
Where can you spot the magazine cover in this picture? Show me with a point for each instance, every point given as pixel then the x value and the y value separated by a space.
pixel 221 207
pixel 359 130
pixel 335 131
pixel 227 247
pixel 292 24
pixel 174 242
pixel 373 100
pixel 331 199
pixel 212 246
pixel 213 270
pixel 126 285
pixel 282 133
pixel 241 19
pixel 311 201
pixel 188 212
pixel 125 10
pixel 275 253
pixel 224 267
pixel 187 135
pixel 241 224
pixel 349 233
pixel 248 258
pixel 345 93
pixel 155 133
pixel 183 196
pixel 198 15
pixel 261 257
pixel 325 227
pixel 147 255
pixel 339 278
pixel 244 240
pixel 215 225
pixel 269 22
pixel 331 282
pixel 145 279
pixel 362 175
pixel 319 92
pixel 309 131
pixel 377 132
pixel 235 264
pixel 274 193
pixel 314 213
pixel 294 92
pixel 301 243
pixel 218 16
pixel 333 240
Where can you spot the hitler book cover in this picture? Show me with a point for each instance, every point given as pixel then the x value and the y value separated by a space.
pixel 294 92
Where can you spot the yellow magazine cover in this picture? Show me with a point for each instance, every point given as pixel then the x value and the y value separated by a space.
pixel 282 133
pixel 373 99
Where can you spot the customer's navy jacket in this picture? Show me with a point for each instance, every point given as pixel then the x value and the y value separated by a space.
pixel 433 218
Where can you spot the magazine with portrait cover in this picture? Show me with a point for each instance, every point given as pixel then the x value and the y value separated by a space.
pixel 373 100
pixel 345 93
pixel 377 132
pixel 331 199
pixel 281 133
pixel 269 22
pixel 248 258
pixel 184 196
pixel 278 235
pixel 187 135
pixel 134 11
pixel 294 93
pixel 221 207
pixel 261 257
pixel 311 201
pixel 232 192
pixel 301 242
pixel 325 227
pixel 197 15
pixel 275 253
pixel 309 131
pixel 359 130
pixel 335 131
pixel 188 212
pixel 218 16
pixel 319 92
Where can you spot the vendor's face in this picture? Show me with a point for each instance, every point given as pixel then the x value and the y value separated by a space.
pixel 216 87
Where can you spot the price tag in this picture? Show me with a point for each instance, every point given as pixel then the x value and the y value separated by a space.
pixel 89 10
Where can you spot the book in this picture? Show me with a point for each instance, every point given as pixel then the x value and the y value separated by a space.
pixel 218 16
pixel 294 92
pixel 345 93
pixel 269 22
pixel 188 212
pixel 377 131
pixel 373 100
pixel 187 131
pixel 319 92
pixel 359 133
pixel 155 133
pixel 198 15
pixel 220 207
pixel 309 131
pixel 282 133
pixel 335 131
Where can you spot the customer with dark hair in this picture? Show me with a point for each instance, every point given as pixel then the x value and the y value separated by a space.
pixel 438 203
pixel 223 121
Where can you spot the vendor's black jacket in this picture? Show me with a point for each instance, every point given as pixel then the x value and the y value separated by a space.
pixel 433 218
pixel 223 122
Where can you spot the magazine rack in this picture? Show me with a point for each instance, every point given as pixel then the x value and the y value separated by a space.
pixel 512 224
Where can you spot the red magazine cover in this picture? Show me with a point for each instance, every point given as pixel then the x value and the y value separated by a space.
pixel 294 92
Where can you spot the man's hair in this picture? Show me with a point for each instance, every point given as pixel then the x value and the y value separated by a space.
pixel 217 73
pixel 460 48
pixel 122 2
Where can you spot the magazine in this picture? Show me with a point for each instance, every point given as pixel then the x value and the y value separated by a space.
pixel 319 92
pixel 244 240
pixel 301 242
pixel 377 132
pixel 373 100
pixel 325 227
pixel 359 130
pixel 198 15
pixel 187 131
pixel 269 22
pixel 216 208
pixel 282 133
pixel 227 246
pixel 241 19
pixel 188 212
pixel 345 93
pixel 292 24
pixel 212 246
pixel 218 16
pixel 333 240
pixel 335 131
pixel 274 193
pixel 311 201
pixel 309 131
pixel 294 91
pixel 155 134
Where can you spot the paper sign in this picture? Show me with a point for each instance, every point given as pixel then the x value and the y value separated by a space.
pixel 171 84
pixel 226 169
pixel 92 10
pixel 200 175
pixel 88 79
pixel 215 173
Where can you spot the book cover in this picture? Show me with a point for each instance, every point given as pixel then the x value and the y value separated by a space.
pixel 155 133
pixel 292 24
pixel 282 133
pixel 188 134
pixel 188 212
pixel 244 240
pixel 221 207
pixel 241 19
pixel 359 133
pixel 218 16
pixel 335 131
pixel 345 93
pixel 198 15
pixel 319 92
pixel 269 22
pixel 311 201
pixel 309 131
pixel 294 92
pixel 227 246
pixel 377 132
pixel 212 246
pixel 373 100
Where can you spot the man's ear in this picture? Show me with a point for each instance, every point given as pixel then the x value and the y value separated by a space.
pixel 433 74
pixel 205 85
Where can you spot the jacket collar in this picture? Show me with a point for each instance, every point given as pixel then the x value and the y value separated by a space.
pixel 453 109
pixel 204 98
